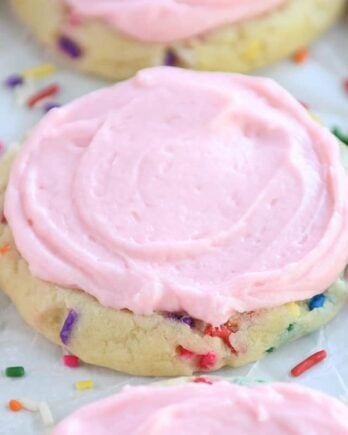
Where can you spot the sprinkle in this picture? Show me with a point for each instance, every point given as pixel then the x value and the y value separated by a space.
pixel 5 249
pixel 222 332
pixel 67 326
pixel 316 302
pixel 340 135
pixel 15 372
pixel 50 105
pixel 13 81
pixel 84 385
pixel 270 350
pixel 39 71
pixel 170 58
pixel 71 361
pixel 69 47
pixel 46 414
pixel 74 19
pixel 308 363
pixel 30 405
pixel 14 405
pixel 185 353
pixel 290 327
pixel 305 105
pixel 188 320
pixel 48 91
pixel 201 380
pixel 300 56
pixel 207 361
pixel 345 85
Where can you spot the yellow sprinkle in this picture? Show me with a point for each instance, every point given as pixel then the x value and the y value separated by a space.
pixel 294 309
pixel 252 51
pixel 84 385
pixel 39 71
pixel 315 117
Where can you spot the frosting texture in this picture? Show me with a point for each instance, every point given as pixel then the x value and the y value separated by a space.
pixel 170 20
pixel 177 190
pixel 216 409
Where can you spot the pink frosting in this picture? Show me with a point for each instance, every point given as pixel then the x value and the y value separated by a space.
pixel 177 190
pixel 217 409
pixel 170 20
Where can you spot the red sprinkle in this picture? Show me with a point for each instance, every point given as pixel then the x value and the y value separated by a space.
pixel 207 361
pixel 222 332
pixel 345 85
pixel 308 363
pixel 71 361
pixel 15 405
pixel 185 353
pixel 49 91
pixel 202 380
pixel 301 55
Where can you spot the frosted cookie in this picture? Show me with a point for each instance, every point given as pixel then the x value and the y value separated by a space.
pixel 219 408
pixel 176 222
pixel 114 39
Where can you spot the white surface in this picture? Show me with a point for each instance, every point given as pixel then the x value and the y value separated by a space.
pixel 318 83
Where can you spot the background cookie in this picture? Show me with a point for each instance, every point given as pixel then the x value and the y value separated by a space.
pixel 97 48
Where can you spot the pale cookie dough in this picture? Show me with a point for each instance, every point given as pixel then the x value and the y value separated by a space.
pixel 98 48
pixel 156 344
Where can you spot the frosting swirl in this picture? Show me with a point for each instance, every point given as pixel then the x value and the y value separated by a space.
pixel 170 20
pixel 285 409
pixel 177 190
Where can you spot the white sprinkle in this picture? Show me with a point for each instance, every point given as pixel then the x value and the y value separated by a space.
pixel 46 414
pixel 29 405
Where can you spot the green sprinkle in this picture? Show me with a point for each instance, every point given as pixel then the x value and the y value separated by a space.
pixel 340 135
pixel 270 350
pixel 15 372
pixel 290 327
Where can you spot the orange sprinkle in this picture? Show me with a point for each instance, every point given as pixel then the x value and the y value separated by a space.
pixel 14 405
pixel 4 249
pixel 301 55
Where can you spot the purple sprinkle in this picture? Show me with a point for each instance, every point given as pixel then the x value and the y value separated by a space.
pixel 67 327
pixel 50 105
pixel 170 58
pixel 69 47
pixel 13 81
pixel 188 320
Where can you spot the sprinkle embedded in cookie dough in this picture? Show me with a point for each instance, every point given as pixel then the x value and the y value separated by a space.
pixel 309 362
pixel 15 405
pixel 71 361
pixel 5 249
pixel 300 56
pixel 188 320
pixel 222 332
pixel 46 92
pixel 15 372
pixel 14 80
pixel 185 353
pixel 290 327
pixel 170 58
pixel 207 361
pixel 69 47
pixel 316 302
pixel 84 385
pixel 67 326
pixel 340 135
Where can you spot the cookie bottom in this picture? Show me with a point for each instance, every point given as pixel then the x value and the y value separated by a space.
pixel 95 47
pixel 162 344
